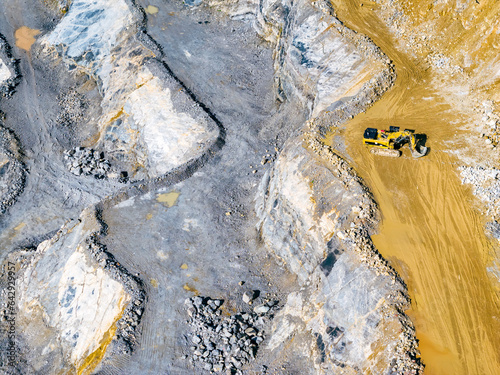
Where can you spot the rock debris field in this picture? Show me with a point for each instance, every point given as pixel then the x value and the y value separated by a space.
pixel 87 162
pixel 226 343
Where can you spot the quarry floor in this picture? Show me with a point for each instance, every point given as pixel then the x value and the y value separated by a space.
pixel 192 236
pixel 432 229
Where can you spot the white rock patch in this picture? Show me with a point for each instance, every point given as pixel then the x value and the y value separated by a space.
pixel 168 135
pixel 5 73
pixel 319 58
pixel 141 124
pixel 92 26
pixel 68 296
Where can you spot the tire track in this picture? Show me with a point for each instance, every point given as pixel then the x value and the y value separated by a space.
pixel 430 232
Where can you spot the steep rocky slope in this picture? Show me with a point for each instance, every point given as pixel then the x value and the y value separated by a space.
pixel 67 301
pixel 332 74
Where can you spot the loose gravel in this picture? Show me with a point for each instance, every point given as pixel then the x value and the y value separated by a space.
pixel 226 343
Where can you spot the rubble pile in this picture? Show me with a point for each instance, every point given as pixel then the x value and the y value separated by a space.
pixel 170 126
pixel 485 185
pixel 87 161
pixel 226 343
pixel 12 169
pixel 357 235
pixel 128 325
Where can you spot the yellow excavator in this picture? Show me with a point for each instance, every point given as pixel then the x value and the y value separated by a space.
pixel 389 142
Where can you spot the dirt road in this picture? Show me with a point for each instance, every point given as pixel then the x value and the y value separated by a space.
pixel 430 231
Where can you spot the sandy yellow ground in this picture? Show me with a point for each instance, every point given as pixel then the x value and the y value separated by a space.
pixel 25 37
pixel 430 231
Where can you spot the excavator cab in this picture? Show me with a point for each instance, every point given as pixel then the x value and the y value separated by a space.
pixel 389 142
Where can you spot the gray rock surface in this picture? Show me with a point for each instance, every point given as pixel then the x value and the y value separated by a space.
pixel 5 73
pixel 9 69
pixel 313 62
pixel 316 220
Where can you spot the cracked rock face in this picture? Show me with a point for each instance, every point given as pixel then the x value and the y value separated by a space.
pixel 67 301
pixel 8 69
pixel 313 60
pixel 149 124
pixel 349 312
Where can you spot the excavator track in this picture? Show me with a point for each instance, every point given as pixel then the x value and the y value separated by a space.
pixel 385 152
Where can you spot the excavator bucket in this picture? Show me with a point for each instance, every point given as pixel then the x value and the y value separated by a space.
pixel 418 151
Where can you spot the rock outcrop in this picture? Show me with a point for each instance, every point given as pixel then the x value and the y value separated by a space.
pixel 149 123
pixel 5 73
pixel 314 213
pixel 313 62
pixel 75 298
pixel 9 70
pixel 317 219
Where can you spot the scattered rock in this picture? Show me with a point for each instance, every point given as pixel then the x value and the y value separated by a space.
pixel 87 161
pixel 261 309
pixel 249 296
pixel 223 343
pixel 73 105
